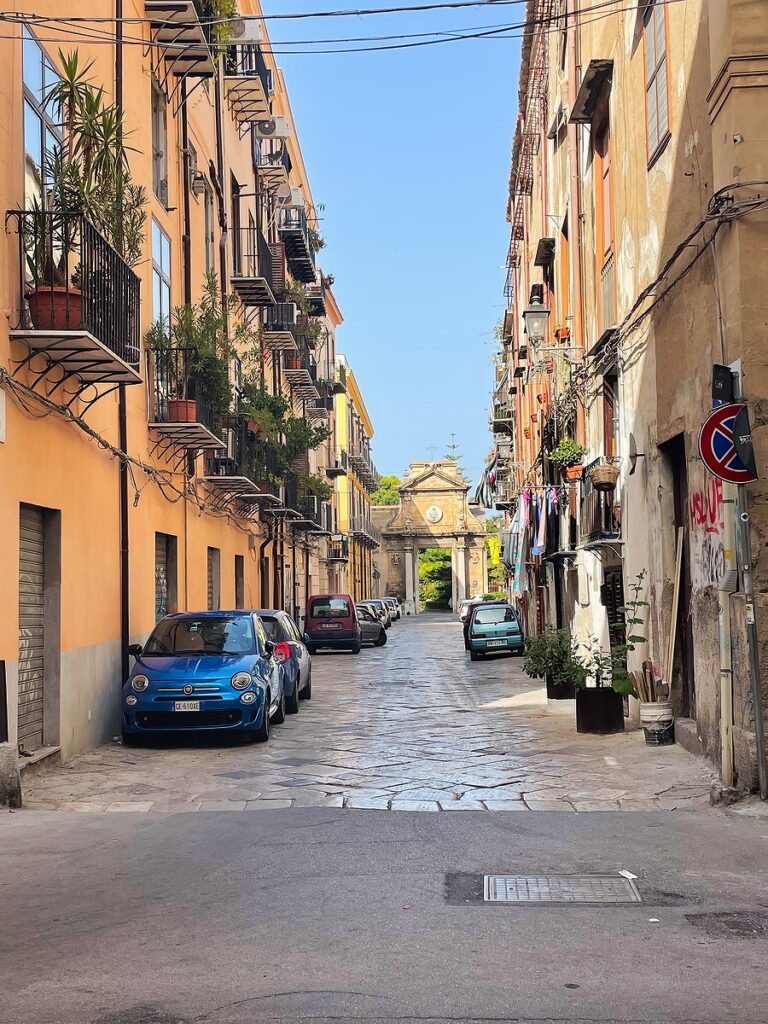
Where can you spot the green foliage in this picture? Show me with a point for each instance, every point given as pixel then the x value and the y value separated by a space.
pixel 316 240
pixel 435 582
pixel 567 453
pixel 609 668
pixel 213 10
pixel 495 595
pixel 316 484
pixel 387 492
pixel 493 525
pixel 552 654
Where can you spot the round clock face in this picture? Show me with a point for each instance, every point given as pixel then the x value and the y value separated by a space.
pixel 434 514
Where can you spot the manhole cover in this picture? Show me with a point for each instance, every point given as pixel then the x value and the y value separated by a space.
pixel 559 889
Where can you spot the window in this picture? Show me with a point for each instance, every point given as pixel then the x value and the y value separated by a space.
pixel 159 144
pixel 236 239
pixel 41 130
pixel 161 274
pixel 656 83
pixel 329 608
pixel 203 634
pixel 604 224
pixel 610 413
pixel 239 581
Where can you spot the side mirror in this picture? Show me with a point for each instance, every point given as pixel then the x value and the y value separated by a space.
pixel 269 648
pixel 135 649
pixel 305 638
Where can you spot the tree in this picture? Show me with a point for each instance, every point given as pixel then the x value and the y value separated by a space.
pixel 453 455
pixel 387 493
pixel 435 582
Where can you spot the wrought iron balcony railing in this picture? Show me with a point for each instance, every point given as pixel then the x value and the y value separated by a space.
pixel 247 470
pixel 338 465
pixel 181 411
pixel 252 267
pixel 274 171
pixel 338 549
pixel 78 299
pixel 363 528
pixel 294 233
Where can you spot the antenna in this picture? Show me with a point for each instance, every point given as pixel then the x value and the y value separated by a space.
pixel 432 449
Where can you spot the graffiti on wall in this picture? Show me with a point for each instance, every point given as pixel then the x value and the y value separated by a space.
pixel 707 525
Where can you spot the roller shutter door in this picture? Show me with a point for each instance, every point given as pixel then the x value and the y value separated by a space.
pixel 31 627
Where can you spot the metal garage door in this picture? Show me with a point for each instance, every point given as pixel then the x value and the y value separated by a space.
pixel 161 575
pixel 31 627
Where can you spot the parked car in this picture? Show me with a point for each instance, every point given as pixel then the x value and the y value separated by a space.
pixel 290 652
pixel 204 670
pixel 381 608
pixel 373 630
pixel 331 621
pixel 472 604
pixel 394 607
pixel 494 628
pixel 465 605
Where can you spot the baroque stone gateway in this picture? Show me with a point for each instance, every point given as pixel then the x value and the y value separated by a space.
pixel 434 511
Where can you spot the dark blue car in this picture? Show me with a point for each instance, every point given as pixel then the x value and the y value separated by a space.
pixel 204 670
pixel 291 652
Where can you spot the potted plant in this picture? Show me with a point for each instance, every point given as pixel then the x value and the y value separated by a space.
pixel 600 708
pixel 604 475
pixel 568 455
pixel 292 362
pixel 550 656
pixel 527 431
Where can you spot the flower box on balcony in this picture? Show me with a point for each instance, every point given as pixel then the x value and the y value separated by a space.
pixel 574 472
pixel 182 410
pixel 292 363
pixel 55 309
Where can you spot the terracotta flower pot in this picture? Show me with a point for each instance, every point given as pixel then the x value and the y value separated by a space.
pixel 527 431
pixel 292 363
pixel 56 309
pixel 574 472
pixel 534 417
pixel 182 410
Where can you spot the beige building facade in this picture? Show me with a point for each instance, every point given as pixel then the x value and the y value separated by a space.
pixel 639 223
pixel 434 512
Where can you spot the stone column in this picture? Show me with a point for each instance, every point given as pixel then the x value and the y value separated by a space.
pixel 461 563
pixel 415 572
pixel 454 579
pixel 408 569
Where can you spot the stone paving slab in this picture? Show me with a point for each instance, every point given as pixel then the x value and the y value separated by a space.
pixel 454 735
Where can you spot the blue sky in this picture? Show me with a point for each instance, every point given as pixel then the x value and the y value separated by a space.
pixel 409 152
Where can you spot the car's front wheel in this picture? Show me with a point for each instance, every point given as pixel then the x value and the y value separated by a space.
pixel 261 735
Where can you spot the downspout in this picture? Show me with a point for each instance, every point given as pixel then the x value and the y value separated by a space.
pixel 264 590
pixel 187 272
pixel 122 414
pixel 219 184
pixel 575 203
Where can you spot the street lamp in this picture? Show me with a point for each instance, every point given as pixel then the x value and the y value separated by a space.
pixel 536 317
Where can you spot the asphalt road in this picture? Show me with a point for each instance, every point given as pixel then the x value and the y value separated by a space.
pixel 350 914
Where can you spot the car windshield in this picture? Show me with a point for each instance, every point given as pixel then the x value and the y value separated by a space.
pixel 495 614
pixel 329 608
pixel 206 634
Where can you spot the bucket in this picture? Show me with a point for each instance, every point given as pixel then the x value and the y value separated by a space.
pixel 658 723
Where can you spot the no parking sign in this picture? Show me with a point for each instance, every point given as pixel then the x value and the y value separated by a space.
pixel 725 444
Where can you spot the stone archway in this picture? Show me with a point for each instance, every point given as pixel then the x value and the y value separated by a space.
pixel 434 511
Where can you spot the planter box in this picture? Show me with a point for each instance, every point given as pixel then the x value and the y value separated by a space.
pixel 599 710
pixel 564 691
pixel 574 472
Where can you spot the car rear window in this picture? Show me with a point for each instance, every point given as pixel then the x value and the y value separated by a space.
pixel 494 615
pixel 271 628
pixel 329 608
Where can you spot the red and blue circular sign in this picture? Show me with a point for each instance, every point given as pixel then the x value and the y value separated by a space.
pixel 720 440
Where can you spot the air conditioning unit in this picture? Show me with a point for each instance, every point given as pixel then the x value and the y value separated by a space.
pixel 246 30
pixel 228 437
pixel 282 314
pixel 276 127
pixel 297 199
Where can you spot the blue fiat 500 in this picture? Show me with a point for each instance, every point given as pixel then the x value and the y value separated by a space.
pixel 204 670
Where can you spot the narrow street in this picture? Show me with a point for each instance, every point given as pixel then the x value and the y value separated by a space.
pixel 325 907
pixel 411 726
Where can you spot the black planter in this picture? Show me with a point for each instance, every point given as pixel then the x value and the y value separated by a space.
pixel 600 710
pixel 563 691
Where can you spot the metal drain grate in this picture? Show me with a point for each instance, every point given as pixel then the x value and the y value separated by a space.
pixel 559 889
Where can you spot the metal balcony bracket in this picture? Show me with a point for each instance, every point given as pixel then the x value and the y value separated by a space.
pixel 253 291
pixel 279 341
pixel 180 38
pixel 247 98
pixel 178 442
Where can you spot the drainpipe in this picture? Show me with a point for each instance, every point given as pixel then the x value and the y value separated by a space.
pixel 574 203
pixel 186 241
pixel 267 539
pixel 122 414
pixel 219 183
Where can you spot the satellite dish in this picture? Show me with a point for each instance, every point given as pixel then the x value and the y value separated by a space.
pixel 634 454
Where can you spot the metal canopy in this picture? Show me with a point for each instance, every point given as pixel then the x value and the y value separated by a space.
pixel 176 26
pixel 194 436
pixel 279 341
pixel 78 354
pixel 247 98
pixel 253 291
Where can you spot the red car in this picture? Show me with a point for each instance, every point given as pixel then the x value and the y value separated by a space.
pixel 331 621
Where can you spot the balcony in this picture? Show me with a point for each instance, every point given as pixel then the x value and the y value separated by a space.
pixel 279 327
pixel 361 465
pixel 315 515
pixel 273 172
pixel 246 474
pixel 365 531
pixel 600 516
pixel 502 417
pixel 252 268
pixel 504 496
pixel 181 38
pixel 338 548
pixel 301 373
pixel 181 414
pixel 78 303
pixel 339 464
pixel 247 85
pixel 341 380
pixel 294 233
pixel 316 296
pixel 320 409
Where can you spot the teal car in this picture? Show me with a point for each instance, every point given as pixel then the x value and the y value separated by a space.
pixel 492 629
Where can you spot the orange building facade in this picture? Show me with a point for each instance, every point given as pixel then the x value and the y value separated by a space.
pixel 167 389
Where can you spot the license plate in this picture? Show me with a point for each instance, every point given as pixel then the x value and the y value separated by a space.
pixel 496 643
pixel 331 625
pixel 186 705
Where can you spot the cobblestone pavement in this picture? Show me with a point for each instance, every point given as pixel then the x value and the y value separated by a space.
pixel 414 726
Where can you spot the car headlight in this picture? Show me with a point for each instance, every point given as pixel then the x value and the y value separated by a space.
pixel 139 683
pixel 241 680
pixel 131 699
pixel 248 698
